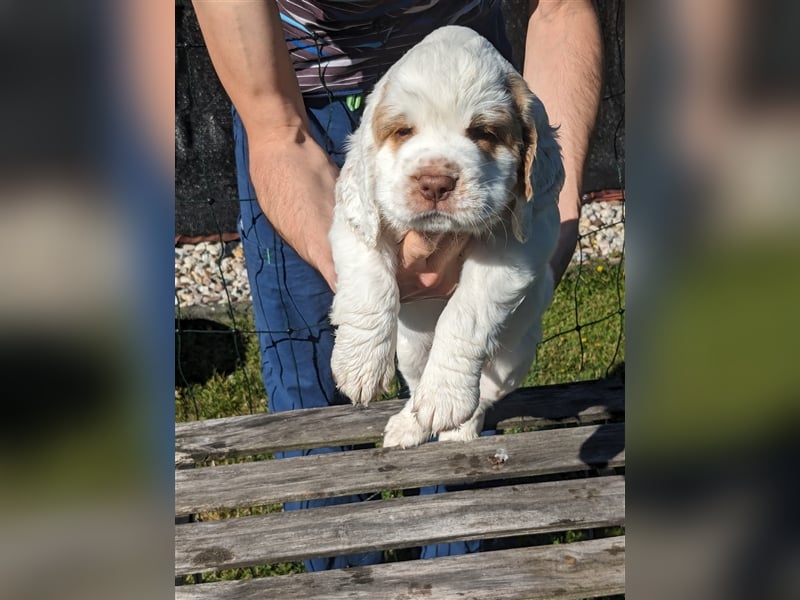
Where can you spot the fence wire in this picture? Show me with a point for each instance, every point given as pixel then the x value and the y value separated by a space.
pixel 218 341
pixel 217 368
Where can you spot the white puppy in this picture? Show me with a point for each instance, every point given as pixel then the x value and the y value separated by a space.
pixel 452 140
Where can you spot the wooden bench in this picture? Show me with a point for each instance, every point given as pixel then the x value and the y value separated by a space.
pixel 564 471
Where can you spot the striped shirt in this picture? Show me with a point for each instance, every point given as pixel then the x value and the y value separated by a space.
pixel 343 47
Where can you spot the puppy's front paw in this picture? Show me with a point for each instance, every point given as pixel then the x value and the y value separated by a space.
pixel 403 430
pixel 445 408
pixel 361 370
pixel 465 433
pixel 468 431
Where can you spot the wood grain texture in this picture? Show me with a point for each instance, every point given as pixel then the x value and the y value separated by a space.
pixel 567 571
pixel 400 523
pixel 330 475
pixel 214 439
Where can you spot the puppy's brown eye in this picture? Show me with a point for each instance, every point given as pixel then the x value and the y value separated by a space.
pixel 403 132
pixel 482 134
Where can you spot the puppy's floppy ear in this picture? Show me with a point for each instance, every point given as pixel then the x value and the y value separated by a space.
pixel 540 170
pixel 523 102
pixel 355 188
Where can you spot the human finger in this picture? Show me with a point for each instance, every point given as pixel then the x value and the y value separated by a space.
pixel 416 248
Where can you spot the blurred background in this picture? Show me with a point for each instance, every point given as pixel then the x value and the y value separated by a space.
pixel 88 218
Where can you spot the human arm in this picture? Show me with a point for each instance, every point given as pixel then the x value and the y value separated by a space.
pixel 293 176
pixel 563 67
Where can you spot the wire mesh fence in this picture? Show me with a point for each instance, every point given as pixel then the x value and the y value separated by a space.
pixel 218 367
pixel 218 361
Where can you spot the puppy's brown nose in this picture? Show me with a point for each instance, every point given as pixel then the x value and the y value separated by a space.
pixel 435 188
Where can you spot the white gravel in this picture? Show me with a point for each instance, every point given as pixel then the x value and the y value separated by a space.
pixel 601 230
pixel 214 272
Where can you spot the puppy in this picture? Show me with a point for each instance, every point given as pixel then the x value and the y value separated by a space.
pixel 451 140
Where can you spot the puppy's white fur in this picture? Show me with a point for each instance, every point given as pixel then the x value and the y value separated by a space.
pixel 454 112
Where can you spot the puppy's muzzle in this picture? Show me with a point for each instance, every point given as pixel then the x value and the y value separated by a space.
pixel 435 188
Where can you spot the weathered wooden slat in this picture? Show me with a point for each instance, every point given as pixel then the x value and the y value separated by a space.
pixel 400 523
pixel 580 402
pixel 566 571
pixel 329 475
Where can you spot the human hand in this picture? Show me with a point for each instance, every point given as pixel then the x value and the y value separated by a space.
pixel 429 266
pixel 294 180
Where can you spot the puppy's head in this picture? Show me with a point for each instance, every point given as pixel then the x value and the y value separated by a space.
pixel 455 138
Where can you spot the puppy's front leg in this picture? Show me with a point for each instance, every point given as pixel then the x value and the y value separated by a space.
pixel 447 391
pixel 466 335
pixel 364 310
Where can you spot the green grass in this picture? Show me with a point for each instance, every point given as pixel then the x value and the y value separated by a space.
pixel 583 331
pixel 583 338
pixel 222 394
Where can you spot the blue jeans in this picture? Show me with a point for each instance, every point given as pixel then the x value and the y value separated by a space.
pixel 291 301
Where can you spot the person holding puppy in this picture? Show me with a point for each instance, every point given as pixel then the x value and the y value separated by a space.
pixel 296 73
